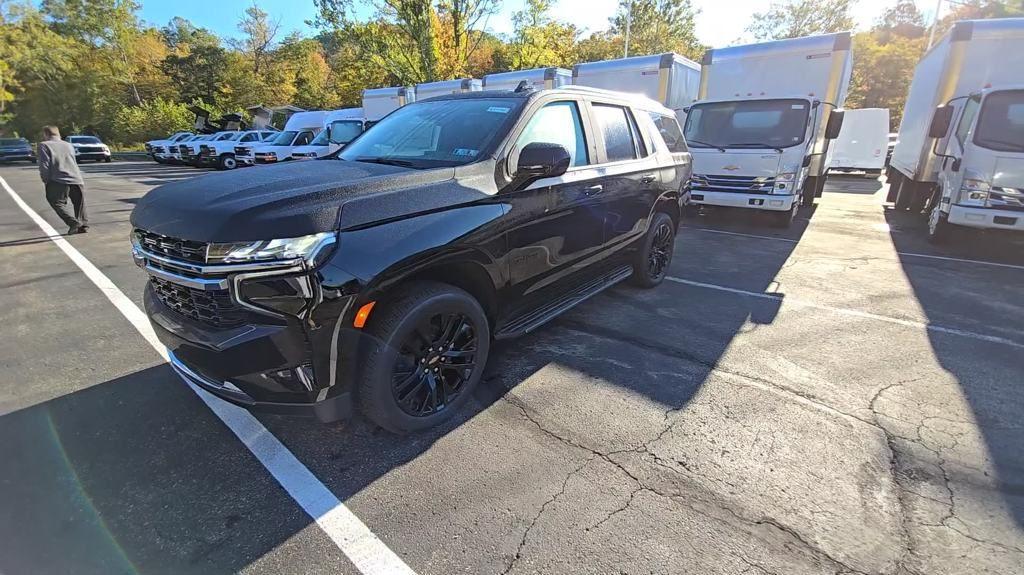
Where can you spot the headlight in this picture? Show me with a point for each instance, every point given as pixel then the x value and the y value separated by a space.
pixel 305 247
pixel 786 177
pixel 974 191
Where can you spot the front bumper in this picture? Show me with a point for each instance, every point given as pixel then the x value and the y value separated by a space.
pixel 986 218
pixel 92 155
pixel 16 156
pixel 770 202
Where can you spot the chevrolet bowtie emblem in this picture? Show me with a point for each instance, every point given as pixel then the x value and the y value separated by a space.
pixel 731 168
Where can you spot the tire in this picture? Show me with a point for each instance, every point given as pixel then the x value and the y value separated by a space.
pixel 785 219
pixel 227 162
pixel 810 190
pixel 651 262
pixel 422 307
pixel 107 160
pixel 939 228
pixel 905 194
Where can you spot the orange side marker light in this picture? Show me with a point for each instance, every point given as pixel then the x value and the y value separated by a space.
pixel 363 314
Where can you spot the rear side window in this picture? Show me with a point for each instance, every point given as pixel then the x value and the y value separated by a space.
pixel 248 138
pixel 668 127
pixel 557 123
pixel 614 124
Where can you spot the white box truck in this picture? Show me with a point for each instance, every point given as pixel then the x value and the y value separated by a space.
pixel 669 78
pixel 299 130
pixel 862 143
pixel 340 128
pixel 961 140
pixel 760 131
pixel 444 87
pixel 379 102
pixel 538 78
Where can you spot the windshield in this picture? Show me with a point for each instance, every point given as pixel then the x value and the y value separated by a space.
pixel 12 141
pixel 320 139
pixel 1001 124
pixel 228 136
pixel 284 138
pixel 436 133
pixel 84 140
pixel 747 124
pixel 344 131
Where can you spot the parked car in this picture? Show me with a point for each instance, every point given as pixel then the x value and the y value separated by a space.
pixel 12 149
pixel 160 150
pixel 190 150
pixel 176 149
pixel 89 148
pixel 220 153
pixel 376 279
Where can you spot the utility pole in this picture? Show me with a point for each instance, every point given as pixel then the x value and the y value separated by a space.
pixel 935 24
pixel 629 17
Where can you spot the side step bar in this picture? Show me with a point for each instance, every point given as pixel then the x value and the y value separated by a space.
pixel 524 324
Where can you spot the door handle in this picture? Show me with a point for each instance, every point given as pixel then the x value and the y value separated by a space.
pixel 648 179
pixel 591 190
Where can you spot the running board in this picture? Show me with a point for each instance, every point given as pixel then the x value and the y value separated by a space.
pixel 524 324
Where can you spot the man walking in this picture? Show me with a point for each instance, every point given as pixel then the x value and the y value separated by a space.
pixel 59 171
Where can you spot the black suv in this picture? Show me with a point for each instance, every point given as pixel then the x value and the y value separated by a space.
pixel 16 149
pixel 377 277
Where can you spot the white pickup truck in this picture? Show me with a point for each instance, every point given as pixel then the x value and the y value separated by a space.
pixel 160 150
pixel 221 153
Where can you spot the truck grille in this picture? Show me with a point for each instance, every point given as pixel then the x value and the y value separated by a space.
pixel 738 184
pixel 215 308
pixel 241 151
pixel 187 250
pixel 90 149
pixel 157 149
pixel 1007 199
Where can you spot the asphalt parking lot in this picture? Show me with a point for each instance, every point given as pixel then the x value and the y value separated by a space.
pixel 840 397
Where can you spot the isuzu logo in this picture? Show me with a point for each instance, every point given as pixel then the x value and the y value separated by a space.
pixel 730 168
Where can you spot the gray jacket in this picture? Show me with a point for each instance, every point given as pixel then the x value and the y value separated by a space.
pixel 57 163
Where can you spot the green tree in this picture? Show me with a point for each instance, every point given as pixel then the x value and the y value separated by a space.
pixel 797 18
pixel 538 40
pixel 882 72
pixel 199 73
pixel 657 26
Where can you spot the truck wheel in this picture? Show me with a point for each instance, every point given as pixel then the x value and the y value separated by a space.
pixel 650 264
pixel 939 228
pixel 905 194
pixel 810 190
pixel 430 348
pixel 107 159
pixel 895 180
pixel 227 162
pixel 786 219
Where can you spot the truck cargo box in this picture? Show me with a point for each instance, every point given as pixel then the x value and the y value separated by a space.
pixel 537 78
pixel 670 79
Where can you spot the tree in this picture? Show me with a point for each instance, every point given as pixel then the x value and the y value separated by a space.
pixel 538 39
pixel 657 26
pixel 882 72
pixel 903 19
pixel 258 34
pixel 796 18
pixel 978 10
pixel 199 73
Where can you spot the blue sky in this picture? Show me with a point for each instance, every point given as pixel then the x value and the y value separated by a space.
pixel 721 22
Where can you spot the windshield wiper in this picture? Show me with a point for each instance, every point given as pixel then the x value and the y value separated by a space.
pixel 754 145
pixel 719 148
pixel 1014 146
pixel 386 161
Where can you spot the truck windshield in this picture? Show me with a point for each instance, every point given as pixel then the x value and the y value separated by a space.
pixel 12 142
pixel 84 140
pixel 343 132
pixel 436 133
pixel 1001 123
pixel 284 138
pixel 747 124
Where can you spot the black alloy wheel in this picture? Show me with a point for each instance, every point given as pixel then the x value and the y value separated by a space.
pixel 655 255
pixel 434 364
pixel 430 346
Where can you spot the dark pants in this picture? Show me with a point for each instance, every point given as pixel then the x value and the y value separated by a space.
pixel 57 194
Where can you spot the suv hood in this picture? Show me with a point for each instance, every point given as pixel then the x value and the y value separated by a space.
pixel 288 200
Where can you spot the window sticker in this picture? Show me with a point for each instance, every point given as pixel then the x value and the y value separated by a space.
pixel 498 109
pixel 797 106
pixel 465 152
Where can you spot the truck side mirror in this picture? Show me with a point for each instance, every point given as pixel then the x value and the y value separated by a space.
pixel 835 124
pixel 940 122
pixel 540 160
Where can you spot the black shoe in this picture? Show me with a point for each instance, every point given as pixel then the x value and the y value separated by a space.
pixel 74 230
pixel 83 229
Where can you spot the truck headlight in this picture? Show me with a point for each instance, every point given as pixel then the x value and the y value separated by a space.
pixel 975 191
pixel 306 247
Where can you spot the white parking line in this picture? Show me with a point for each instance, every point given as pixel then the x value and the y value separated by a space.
pixel 854 313
pixel 368 553
pixel 908 254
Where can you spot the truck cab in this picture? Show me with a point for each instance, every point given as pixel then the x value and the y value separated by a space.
pixel 758 152
pixel 981 169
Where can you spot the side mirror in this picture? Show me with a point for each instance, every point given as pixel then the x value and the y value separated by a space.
pixel 807 161
pixel 956 165
pixel 835 124
pixel 540 160
pixel 940 122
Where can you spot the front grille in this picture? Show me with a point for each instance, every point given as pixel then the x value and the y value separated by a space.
pixel 157 149
pixel 216 308
pixel 90 149
pixel 241 151
pixel 1007 199
pixel 740 184
pixel 204 150
pixel 187 250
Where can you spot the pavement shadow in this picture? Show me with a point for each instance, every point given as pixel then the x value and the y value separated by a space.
pixel 862 184
pixel 109 480
pixel 983 299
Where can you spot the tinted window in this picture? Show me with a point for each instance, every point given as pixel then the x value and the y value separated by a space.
pixel 557 123
pixel 1001 126
pixel 12 141
pixel 84 140
pixel 436 133
pixel 966 119
pixel 284 138
pixel 247 138
pixel 614 125
pixel 304 138
pixel 668 127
